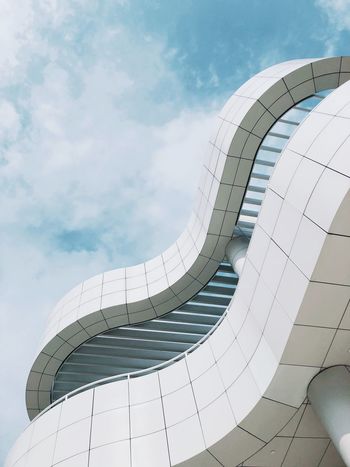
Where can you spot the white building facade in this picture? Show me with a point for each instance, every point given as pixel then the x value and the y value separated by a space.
pixel 230 348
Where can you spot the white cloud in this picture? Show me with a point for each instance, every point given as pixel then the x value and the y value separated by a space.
pixel 99 145
pixel 338 15
pixel 10 121
pixel 338 12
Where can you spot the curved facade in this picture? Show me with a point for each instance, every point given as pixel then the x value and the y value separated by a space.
pixel 239 396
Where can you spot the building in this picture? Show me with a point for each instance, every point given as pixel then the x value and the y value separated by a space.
pixel 253 375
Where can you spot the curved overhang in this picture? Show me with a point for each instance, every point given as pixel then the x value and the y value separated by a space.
pixel 158 286
pixel 153 344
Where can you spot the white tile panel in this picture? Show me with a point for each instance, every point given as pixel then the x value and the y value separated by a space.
pixel 217 420
pixel 258 247
pixel 111 396
pixel 221 339
pixel 110 427
pixel 249 336
pixel 146 418
pixel 263 365
pixel 79 432
pixel 243 395
pixel 91 294
pixel 144 389
pixel 179 405
pixel 237 319
pixel 247 283
pixel 46 426
pixel 340 160
pixel 200 360
pixel 137 270
pixel 335 105
pixel 135 281
pixel 76 408
pixel 207 387
pixel 111 455
pixel 322 207
pixel 185 440
pixel 307 246
pixel 92 282
pixel 41 455
pixel 21 446
pixel 113 286
pixel 313 125
pixel 114 274
pixel 273 267
pixel 270 211
pixel 261 304
pixel 154 263
pixel 291 298
pixel 174 377
pixel 231 364
pixel 302 183
pixel 80 460
pixel 286 226
pixel 326 144
pixel 134 295
pixel 150 451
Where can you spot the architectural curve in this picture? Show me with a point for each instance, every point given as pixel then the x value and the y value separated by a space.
pixel 232 400
pixel 143 292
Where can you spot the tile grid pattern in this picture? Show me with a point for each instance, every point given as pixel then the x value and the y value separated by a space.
pixel 137 347
pixel 252 394
pixel 93 350
pixel 202 245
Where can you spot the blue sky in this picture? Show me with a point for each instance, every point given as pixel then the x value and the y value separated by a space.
pixel 102 105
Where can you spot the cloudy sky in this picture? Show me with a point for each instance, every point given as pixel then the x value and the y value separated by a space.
pixel 105 110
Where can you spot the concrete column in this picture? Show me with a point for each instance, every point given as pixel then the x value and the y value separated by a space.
pixel 329 394
pixel 236 250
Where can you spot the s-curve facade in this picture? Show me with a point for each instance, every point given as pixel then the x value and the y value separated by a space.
pixel 232 347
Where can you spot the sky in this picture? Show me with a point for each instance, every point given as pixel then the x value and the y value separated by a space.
pixel 106 107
